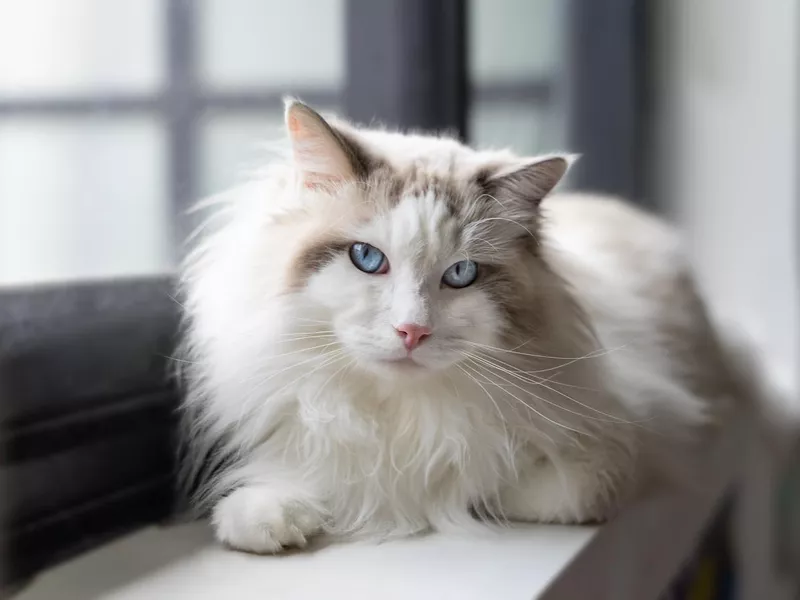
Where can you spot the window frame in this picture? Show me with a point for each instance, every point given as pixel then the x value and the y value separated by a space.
pixel 608 61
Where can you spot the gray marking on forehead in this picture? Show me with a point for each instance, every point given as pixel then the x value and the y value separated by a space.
pixel 481 219
pixel 417 179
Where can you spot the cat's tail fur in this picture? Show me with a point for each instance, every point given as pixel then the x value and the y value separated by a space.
pixel 753 391
pixel 747 396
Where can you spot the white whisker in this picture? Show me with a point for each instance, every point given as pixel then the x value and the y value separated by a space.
pixel 179 360
pixel 592 354
pixel 311 332
pixel 487 219
pixel 301 350
pixel 530 407
pixel 488 395
pixel 487 195
pixel 329 359
pixel 258 382
pixel 306 338
pixel 338 355
pixel 513 373
pixel 475 369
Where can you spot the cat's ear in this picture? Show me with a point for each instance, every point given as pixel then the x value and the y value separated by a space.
pixel 323 156
pixel 530 180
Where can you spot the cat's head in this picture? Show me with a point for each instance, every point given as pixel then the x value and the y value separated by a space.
pixel 418 249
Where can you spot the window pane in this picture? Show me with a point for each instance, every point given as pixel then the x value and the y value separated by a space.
pixel 272 43
pixel 514 39
pixel 80 46
pixel 515 64
pixel 523 128
pixel 82 198
pixel 234 147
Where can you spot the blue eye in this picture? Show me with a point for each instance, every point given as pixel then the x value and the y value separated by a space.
pixel 368 258
pixel 461 274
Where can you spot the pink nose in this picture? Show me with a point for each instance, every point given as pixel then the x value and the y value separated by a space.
pixel 412 334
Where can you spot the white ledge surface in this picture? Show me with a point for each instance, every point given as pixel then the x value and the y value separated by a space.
pixel 634 557
pixel 183 562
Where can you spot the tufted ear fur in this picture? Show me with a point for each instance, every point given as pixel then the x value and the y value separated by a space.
pixel 529 180
pixel 325 157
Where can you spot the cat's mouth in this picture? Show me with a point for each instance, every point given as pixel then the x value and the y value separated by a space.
pixel 404 363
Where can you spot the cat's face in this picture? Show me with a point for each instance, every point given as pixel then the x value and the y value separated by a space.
pixel 404 293
pixel 415 267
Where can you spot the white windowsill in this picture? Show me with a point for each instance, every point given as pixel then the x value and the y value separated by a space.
pixel 618 561
pixel 183 561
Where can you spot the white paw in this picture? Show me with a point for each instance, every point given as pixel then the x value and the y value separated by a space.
pixel 264 521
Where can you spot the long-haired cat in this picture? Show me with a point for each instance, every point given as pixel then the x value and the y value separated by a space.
pixel 391 333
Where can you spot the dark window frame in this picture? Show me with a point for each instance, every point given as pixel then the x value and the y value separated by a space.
pixel 608 62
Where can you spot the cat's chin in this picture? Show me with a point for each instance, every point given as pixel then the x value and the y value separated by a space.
pixel 404 365
pixel 399 367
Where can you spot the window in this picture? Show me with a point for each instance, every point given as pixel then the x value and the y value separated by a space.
pixel 515 50
pixel 115 116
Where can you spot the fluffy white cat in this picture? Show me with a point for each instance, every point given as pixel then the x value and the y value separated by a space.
pixel 393 333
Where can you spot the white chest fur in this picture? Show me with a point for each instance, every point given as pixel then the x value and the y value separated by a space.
pixel 400 457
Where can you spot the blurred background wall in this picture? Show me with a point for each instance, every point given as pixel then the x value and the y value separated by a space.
pixel 725 152
pixel 725 149
pixel 727 160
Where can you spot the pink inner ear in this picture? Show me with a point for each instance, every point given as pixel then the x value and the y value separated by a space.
pixel 311 180
pixel 318 154
pixel 294 123
pixel 320 181
pixel 296 128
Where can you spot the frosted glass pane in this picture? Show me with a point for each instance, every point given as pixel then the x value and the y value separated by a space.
pixel 514 39
pixel 275 43
pixel 523 128
pixel 233 147
pixel 80 46
pixel 82 198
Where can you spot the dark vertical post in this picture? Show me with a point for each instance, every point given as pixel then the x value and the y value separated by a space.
pixel 407 64
pixel 605 43
pixel 181 105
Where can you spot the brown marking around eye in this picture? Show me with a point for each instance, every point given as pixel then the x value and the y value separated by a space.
pixel 312 258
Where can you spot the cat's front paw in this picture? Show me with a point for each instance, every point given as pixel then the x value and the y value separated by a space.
pixel 263 520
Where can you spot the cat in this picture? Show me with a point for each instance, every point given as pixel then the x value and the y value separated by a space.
pixel 393 333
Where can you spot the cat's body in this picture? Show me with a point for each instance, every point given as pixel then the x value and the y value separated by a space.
pixel 327 397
